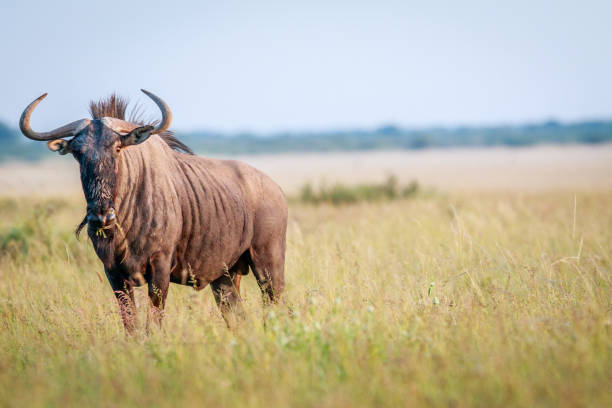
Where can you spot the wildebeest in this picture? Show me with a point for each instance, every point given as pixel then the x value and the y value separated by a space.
pixel 157 213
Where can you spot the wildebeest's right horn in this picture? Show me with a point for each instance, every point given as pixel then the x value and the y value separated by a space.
pixel 164 124
pixel 70 129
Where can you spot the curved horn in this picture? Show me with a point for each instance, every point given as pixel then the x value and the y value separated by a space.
pixel 165 109
pixel 70 129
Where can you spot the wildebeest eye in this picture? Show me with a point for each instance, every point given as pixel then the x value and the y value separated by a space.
pixel 117 148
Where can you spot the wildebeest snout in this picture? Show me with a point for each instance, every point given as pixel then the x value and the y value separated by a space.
pixel 102 219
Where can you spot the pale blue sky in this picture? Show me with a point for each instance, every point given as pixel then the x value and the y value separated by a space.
pixel 274 65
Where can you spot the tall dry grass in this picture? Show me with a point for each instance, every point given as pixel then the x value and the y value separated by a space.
pixel 445 300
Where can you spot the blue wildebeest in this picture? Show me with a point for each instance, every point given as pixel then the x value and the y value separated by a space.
pixel 157 213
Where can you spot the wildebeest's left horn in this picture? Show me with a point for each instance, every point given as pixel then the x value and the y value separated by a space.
pixel 70 129
pixel 165 109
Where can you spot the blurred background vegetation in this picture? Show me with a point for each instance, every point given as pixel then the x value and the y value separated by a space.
pixel 340 193
pixel 387 137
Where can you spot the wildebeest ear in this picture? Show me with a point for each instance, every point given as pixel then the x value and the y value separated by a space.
pixel 137 136
pixel 59 145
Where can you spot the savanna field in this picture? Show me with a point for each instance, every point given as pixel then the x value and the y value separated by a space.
pixel 447 170
pixel 445 299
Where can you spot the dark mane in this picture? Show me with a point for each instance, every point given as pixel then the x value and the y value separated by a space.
pixel 115 106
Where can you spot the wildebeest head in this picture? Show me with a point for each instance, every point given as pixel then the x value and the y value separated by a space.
pixel 97 144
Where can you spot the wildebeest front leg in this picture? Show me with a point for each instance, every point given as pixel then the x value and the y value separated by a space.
pixel 158 287
pixel 124 292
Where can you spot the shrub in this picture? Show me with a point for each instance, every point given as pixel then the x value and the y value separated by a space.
pixel 344 194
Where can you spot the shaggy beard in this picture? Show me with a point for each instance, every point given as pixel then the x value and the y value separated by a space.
pixel 104 245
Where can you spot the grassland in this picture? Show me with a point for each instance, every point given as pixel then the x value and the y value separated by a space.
pixel 446 299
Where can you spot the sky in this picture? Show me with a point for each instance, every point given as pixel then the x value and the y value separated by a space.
pixel 267 66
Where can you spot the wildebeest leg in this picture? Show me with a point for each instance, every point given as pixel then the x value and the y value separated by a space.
pixel 226 290
pixel 124 292
pixel 158 287
pixel 268 264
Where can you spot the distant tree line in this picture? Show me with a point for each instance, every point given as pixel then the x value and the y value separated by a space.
pixel 385 137
pixel 393 137
pixel 15 146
